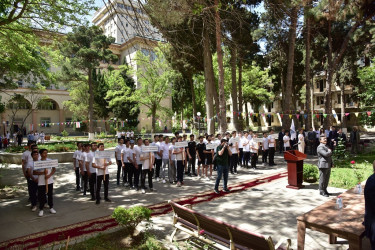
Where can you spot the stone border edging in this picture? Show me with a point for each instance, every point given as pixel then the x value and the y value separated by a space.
pixel 15 158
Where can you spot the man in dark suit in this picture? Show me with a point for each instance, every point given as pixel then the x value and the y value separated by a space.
pixel 281 141
pixel 354 139
pixel 324 165
pixel 370 208
pixel 311 137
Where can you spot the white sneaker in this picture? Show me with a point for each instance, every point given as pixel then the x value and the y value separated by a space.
pixel 33 209
pixel 178 184
pixel 199 177
pixel 164 181
pixel 157 179
pixel 40 214
pixel 52 211
pixel 207 178
pixel 143 191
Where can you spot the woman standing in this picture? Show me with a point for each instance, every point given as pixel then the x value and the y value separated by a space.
pixel 301 142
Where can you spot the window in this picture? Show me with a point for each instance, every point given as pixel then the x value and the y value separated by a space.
pixel 45 122
pixel 47 105
pixel 338 99
pixel 19 104
pixel 322 85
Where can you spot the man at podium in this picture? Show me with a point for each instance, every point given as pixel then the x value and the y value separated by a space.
pixel 324 165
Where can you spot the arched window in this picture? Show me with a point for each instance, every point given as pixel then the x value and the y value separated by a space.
pixel 47 105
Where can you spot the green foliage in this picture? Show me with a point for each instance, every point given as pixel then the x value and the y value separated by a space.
pixel 310 172
pixel 64 133
pixel 131 217
pixel 340 153
pixel 367 93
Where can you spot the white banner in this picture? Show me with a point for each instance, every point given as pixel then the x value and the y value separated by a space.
pixel 45 164
pixel 212 146
pixel 258 139
pixel 146 149
pixel 104 154
pixel 181 144
pixel 237 139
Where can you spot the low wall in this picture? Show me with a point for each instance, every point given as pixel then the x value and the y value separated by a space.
pixel 15 158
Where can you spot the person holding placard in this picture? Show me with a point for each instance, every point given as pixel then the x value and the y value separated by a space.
pixel 233 145
pixel 246 150
pixel 180 158
pixel 137 150
pixel 101 164
pixel 45 184
pixel 209 155
pixel 33 179
pixel 192 155
pixel 172 163
pixel 118 149
pixel 76 159
pixel 271 148
pixel 286 140
pixel 254 149
pixel 147 159
pixel 91 171
pixel 201 155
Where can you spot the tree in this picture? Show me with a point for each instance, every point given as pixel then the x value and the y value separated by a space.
pixel 22 24
pixel 155 77
pixel 84 49
pixel 120 87
pixel 367 95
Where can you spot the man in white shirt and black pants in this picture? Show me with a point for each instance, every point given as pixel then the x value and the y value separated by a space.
pixel 271 148
pixel 118 149
pixel 102 169
pixel 90 158
pixel 264 148
pixel 234 149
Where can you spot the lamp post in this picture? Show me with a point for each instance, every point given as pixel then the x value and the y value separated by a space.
pixel 199 123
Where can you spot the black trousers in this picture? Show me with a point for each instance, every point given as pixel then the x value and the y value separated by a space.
pixel 233 163
pixel 281 146
pixel 191 165
pixel 254 159
pixel 158 163
pixel 246 158
pixel 180 171
pixel 78 179
pixel 149 174
pixel 42 196
pixel 99 180
pixel 92 184
pixel 126 171
pixel 134 172
pixel 240 160
pixel 119 167
pixel 264 156
pixel 271 153
pixel 33 187
pixel 85 178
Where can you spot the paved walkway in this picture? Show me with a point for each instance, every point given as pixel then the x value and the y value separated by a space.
pixel 270 209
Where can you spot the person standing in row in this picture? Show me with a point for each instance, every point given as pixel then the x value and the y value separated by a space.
pixel 271 146
pixel 324 164
pixel 286 140
pixel 233 144
pixel 158 156
pixel 191 153
pixel 281 140
pixel 25 157
pixel 180 157
pixel 76 158
pixel 201 155
pixel 91 171
pixel 33 179
pixel 240 149
pixel 101 164
pixel 137 159
pixel 223 153
pixel 118 149
pixel 45 175
pixel 209 155
pixel 172 163
pixel 165 152
pixel 147 160
pixel 246 150
pixel 254 149
pixel 265 148
pixel 311 139
pixel 84 173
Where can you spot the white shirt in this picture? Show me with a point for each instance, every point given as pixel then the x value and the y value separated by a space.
pixel 118 134
pixel 265 143
pixel 118 151
pixel 271 141
pixel 240 144
pixel 90 157
pixel 26 156
pixel 127 134
pixel 131 134
pixel 300 138
pixel 42 135
pixel 77 156
pixel 286 138
pixel 255 145
pixel 129 154
pixel 180 156
pixel 137 152
pixel 249 137
pixel 100 163
pixel 146 163
pixel 233 148
pixel 126 152
pixel 42 179
pixel 30 164
pixel 246 143
pixel 165 148
pixel 173 156
pixel 157 156
pixel 83 159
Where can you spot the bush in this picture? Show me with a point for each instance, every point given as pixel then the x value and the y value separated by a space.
pixel 65 133
pixel 129 218
pixel 310 173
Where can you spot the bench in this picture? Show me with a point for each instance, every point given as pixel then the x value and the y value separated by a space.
pixel 217 233
pixel 47 137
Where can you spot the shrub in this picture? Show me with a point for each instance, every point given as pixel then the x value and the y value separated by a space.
pixel 129 218
pixel 310 173
pixel 65 133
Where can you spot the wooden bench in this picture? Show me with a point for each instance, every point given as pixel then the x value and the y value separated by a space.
pixel 217 233
pixel 47 137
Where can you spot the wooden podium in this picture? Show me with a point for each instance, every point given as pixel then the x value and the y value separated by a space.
pixel 295 159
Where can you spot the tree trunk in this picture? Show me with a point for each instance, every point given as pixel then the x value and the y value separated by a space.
pixel 342 106
pixel 216 96
pixel 209 79
pixel 91 106
pixel 193 96
pixel 307 67
pixel 289 78
pixel 247 117
pixel 327 94
pixel 222 104
pixel 240 101
pixel 233 60
pixel 153 119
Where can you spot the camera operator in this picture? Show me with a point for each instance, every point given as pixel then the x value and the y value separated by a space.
pixel 221 158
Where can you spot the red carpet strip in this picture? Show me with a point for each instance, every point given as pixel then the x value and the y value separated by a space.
pixel 87 228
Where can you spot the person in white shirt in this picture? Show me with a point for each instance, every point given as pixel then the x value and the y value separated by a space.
pixel 147 160
pixel 33 190
pixel 126 161
pixel 286 140
pixel 254 148
pixel 42 136
pixel 264 148
pixel 128 134
pixel 132 134
pixel 91 171
pixel 180 157
pixel 164 150
pixel 246 150
pixel 250 135
pixel 118 149
pixel 118 134
pixel 209 155
pixel 301 142
pixel 76 165
pixel 233 145
pixel 172 163
pixel 272 148
pixel 158 140
pixel 84 173
pixel 240 149
pixel 25 157
pixel 137 150
pixel 36 137
pixel 101 164
pixel 129 161
pixel 45 175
